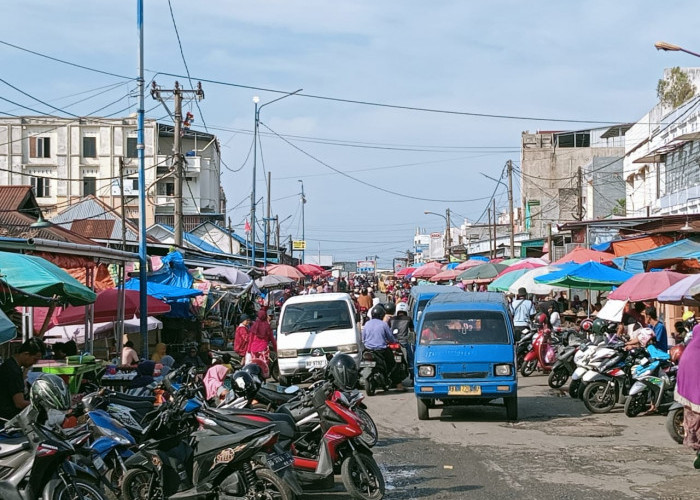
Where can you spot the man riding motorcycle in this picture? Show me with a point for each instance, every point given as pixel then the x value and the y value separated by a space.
pixel 375 337
pixel 402 327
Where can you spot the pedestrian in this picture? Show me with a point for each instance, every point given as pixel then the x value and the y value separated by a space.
pixel 259 342
pixel 167 363
pixel 240 339
pixel 658 327
pixel 688 393
pixel 12 376
pixel 365 299
pixel 522 309
pixel 214 379
pixel 159 352
pixel 192 359
pixel 144 374
pixel 129 355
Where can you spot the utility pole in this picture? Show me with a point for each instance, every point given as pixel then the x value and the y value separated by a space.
pixel 510 209
pixel 230 237
pixel 495 226
pixel 177 93
pixel 490 250
pixel 121 188
pixel 303 224
pixel 267 227
pixel 448 236
pixel 579 195
pixel 549 242
pixel 277 239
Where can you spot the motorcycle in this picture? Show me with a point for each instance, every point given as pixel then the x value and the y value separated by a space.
pixel 674 422
pixel 36 463
pixel 654 383
pixel 542 356
pixel 523 347
pixel 564 366
pixel 374 372
pixel 610 383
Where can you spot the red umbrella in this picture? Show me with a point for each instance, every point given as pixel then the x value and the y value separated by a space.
pixel 434 264
pixel 311 269
pixel 105 307
pixel 284 270
pixel 469 263
pixel 646 286
pixel 425 271
pixel 448 275
pixel 582 255
pixel 405 271
pixel 520 265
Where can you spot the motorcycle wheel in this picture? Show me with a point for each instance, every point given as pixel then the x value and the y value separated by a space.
pixel 596 400
pixel 135 486
pixel 82 488
pixel 528 368
pixel 370 435
pixel 519 361
pixel 558 377
pixel 674 425
pixel 370 386
pixel 636 404
pixel 269 485
pixel 573 388
pixel 275 371
pixel 359 485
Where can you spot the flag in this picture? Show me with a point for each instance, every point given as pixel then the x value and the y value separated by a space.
pixel 246 228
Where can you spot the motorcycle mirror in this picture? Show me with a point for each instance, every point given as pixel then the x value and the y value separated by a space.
pixel 292 389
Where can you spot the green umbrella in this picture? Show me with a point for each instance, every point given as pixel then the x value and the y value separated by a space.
pixel 486 271
pixel 502 283
pixel 38 276
pixel 8 330
pixel 508 262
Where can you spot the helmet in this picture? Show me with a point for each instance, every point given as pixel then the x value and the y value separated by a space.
pixel 378 312
pixel 611 328
pixel 369 289
pixel 343 371
pixel 541 318
pixel 402 307
pixel 599 326
pixel 257 369
pixel 390 308
pixel 675 352
pixel 688 315
pixel 243 384
pixel 50 392
pixel 587 325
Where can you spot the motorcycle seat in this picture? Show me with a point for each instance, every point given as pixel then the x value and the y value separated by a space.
pixel 283 423
pixel 10 446
pixel 277 398
pixel 211 442
pixel 134 405
pixel 122 396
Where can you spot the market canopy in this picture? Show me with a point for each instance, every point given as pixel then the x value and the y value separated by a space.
pixel 587 276
pixel 106 305
pixel 446 275
pixel 469 263
pixel 425 272
pixel 284 270
pixel 405 271
pixel 229 274
pixel 519 266
pixel 527 281
pixel 272 281
pixel 582 255
pixel 76 333
pixel 633 245
pixel 487 271
pixel 503 282
pixel 311 269
pixel 39 277
pixel 664 256
pixel 160 291
pixel 679 293
pixel 8 330
pixel 646 286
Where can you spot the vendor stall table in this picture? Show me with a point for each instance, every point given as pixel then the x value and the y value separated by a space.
pixel 71 373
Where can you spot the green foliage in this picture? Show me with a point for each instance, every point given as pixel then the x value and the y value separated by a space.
pixel 676 89
pixel 619 208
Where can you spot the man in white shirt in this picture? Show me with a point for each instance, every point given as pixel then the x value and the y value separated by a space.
pixel 522 310
pixel 554 318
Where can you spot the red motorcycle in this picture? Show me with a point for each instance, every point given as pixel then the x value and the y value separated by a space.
pixel 542 356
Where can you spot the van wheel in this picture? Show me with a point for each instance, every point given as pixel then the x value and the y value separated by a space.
pixel 511 407
pixel 423 411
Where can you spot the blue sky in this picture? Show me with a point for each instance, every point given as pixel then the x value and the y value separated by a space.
pixel 563 60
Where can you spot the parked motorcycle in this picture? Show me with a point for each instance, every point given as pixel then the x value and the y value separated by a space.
pixel 523 346
pixel 674 422
pixel 654 382
pixel 374 372
pixel 610 383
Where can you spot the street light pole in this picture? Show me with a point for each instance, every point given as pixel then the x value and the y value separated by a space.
pixel 669 47
pixel 256 100
pixel 303 226
pixel 448 235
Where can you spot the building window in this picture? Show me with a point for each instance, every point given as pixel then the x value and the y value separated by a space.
pixel 574 140
pixel 166 189
pixel 41 187
pixel 40 147
pixel 89 186
pixel 89 147
pixel 131 151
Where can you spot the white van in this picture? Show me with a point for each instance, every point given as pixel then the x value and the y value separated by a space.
pixel 311 326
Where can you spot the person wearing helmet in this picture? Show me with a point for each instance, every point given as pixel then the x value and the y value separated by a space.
pixel 402 327
pixel 689 323
pixel 50 399
pixel 376 336
pixel 658 327
pixel 599 326
pixel 522 309
pixel 343 372
pixel 12 376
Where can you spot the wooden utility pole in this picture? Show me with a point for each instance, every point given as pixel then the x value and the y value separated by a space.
pixel 267 226
pixel 277 238
pixel 121 188
pixel 230 237
pixel 495 226
pixel 579 195
pixel 490 250
pixel 448 236
pixel 549 242
pixel 510 209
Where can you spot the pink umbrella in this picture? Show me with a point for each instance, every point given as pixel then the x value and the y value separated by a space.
pixel 425 272
pixel 582 255
pixel 448 275
pixel 284 270
pixel 434 264
pixel 469 263
pixel 311 269
pixel 519 265
pixel 646 286
pixel 405 271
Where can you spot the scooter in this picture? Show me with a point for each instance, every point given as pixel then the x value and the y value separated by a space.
pixel 654 383
pixel 523 347
pixel 610 383
pixel 374 372
pixel 674 422
pixel 564 367
pixel 542 356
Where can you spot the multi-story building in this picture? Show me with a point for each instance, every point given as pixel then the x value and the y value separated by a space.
pixel 549 169
pixel 66 159
pixel 662 159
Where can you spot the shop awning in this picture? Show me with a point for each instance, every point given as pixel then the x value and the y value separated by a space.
pixel 163 292
pixel 664 256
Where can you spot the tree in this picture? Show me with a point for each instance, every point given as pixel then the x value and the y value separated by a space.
pixel 675 89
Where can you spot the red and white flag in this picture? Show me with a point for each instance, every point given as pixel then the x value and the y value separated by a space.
pixel 246 228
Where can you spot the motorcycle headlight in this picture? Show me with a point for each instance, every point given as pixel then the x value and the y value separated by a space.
pixel 503 370
pixel 426 371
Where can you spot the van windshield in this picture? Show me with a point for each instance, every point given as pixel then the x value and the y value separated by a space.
pixel 316 316
pixel 464 328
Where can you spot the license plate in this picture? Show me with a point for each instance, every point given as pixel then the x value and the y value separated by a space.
pixel 316 363
pixel 99 463
pixel 279 461
pixel 368 364
pixel 464 390
pixel 397 359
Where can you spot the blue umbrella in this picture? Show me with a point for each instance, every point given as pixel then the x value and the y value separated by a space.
pixel 8 330
pixel 588 276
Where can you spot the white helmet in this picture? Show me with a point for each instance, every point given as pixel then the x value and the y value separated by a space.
pixel 402 306
pixel 369 289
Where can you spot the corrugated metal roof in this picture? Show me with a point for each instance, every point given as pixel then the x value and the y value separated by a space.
pixel 17 225
pixel 17 198
pixel 94 228
pixel 91 208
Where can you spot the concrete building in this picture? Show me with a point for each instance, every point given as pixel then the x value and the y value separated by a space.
pixel 65 160
pixel 549 170
pixel 662 159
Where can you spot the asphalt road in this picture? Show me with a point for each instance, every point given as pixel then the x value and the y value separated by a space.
pixel 557 450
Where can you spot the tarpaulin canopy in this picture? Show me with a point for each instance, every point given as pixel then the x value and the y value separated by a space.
pixel 8 330
pixel 527 281
pixel 664 256
pixel 163 292
pixel 587 276
pixel 612 310
pixel 405 271
pixel 106 305
pixel 628 246
pixel 231 275
pixel 40 277
pixel 679 293
pixel 311 269
pixel 581 255
pixel 503 282
pixel 646 286
pixel 469 263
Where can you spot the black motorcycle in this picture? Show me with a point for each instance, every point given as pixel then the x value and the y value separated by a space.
pixel 374 371
pixel 35 462
pixel 523 346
